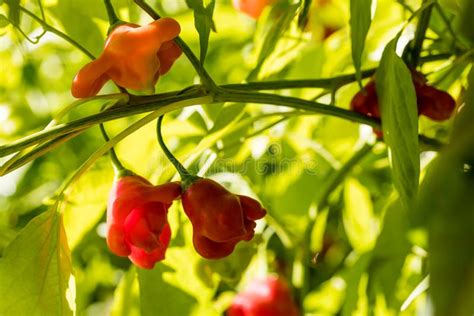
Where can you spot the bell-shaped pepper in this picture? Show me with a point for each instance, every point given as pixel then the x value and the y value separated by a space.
pixel 137 224
pixel 431 102
pixel 220 218
pixel 134 57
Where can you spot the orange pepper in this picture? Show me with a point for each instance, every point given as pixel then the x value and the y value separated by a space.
pixel 134 57
pixel 252 8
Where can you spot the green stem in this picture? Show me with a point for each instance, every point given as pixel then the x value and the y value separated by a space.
pixel 113 18
pixel 106 147
pixel 186 177
pixel 206 79
pixel 315 107
pixel 114 113
pixel 337 177
pixel 62 35
pixel 327 83
pixel 21 158
pixel 333 182
pixel 118 167
pixel 195 96
pixel 422 26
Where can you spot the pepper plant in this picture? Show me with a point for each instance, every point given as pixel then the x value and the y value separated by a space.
pixel 244 157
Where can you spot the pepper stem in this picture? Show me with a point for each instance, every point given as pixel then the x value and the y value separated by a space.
pixel 186 177
pixel 113 18
pixel 119 169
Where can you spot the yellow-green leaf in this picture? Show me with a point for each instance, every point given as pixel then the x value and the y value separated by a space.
pixel 397 100
pixel 35 271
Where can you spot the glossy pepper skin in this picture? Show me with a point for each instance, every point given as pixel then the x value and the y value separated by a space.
pixel 134 57
pixel 220 219
pixel 431 102
pixel 252 8
pixel 137 224
pixel 264 297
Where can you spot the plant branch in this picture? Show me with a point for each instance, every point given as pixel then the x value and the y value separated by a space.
pixel 327 83
pixel 83 124
pixel 53 30
pixel 169 102
pixel 314 107
pixel 422 26
pixel 106 147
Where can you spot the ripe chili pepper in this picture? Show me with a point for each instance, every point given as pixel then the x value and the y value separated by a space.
pixel 264 297
pixel 220 218
pixel 252 8
pixel 431 102
pixel 435 104
pixel 134 57
pixel 137 224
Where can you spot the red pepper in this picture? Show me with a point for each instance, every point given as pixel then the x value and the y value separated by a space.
pixel 431 102
pixel 137 224
pixel 252 8
pixel 134 57
pixel 220 218
pixel 435 104
pixel 264 297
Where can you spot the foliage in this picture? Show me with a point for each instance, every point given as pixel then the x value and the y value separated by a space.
pixel 264 111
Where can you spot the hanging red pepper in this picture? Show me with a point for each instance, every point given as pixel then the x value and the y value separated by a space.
pixel 137 224
pixel 220 218
pixel 134 57
pixel 431 102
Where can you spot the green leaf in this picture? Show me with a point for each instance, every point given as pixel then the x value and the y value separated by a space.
pixel 86 202
pixel 358 217
pixel 281 19
pixel 356 283
pixel 35 271
pixel 465 24
pixel 203 23
pixel 175 278
pixel 303 16
pixel 397 99
pixel 79 22
pixel 14 11
pixel 228 114
pixel 126 296
pixel 446 209
pixel 4 21
pixel 389 253
pixel 360 24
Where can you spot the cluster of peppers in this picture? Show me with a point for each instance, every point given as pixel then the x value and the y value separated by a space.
pixel 134 57
pixel 431 102
pixel 137 224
